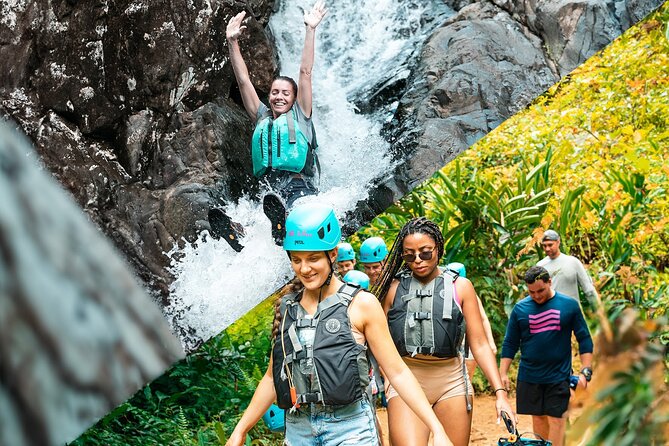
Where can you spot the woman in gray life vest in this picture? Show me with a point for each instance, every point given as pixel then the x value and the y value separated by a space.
pixel 429 309
pixel 318 369
pixel 283 147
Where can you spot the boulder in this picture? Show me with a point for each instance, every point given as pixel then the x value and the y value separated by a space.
pixel 133 106
pixel 484 64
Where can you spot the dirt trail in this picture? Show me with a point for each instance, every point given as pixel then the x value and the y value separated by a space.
pixel 485 430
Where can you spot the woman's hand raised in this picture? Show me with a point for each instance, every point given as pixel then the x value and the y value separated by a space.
pixel 313 18
pixel 235 27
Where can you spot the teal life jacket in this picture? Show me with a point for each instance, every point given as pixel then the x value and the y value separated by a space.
pixel 280 144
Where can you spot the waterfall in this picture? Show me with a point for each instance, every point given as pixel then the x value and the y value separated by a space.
pixel 358 44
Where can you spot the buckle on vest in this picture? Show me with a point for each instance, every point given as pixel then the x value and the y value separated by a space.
pixel 307 398
pixel 424 350
pixel 298 356
pixel 422 315
pixel 424 293
pixel 306 323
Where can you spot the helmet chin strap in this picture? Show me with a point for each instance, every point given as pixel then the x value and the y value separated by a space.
pixel 329 278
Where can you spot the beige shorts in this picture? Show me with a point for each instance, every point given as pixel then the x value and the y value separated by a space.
pixel 440 378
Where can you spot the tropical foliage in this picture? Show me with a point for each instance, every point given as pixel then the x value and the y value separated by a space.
pixel 587 158
pixel 199 400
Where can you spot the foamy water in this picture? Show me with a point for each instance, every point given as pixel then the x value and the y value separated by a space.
pixel 358 43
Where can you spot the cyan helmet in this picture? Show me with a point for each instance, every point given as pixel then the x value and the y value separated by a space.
pixel 345 252
pixel 358 278
pixel 373 250
pixel 274 418
pixel 311 227
pixel 458 268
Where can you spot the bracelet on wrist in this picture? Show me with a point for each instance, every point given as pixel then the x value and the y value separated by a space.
pixel 501 388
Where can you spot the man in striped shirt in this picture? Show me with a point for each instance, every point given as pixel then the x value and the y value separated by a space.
pixel 540 326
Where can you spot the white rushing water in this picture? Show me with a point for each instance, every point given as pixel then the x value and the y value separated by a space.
pixel 358 43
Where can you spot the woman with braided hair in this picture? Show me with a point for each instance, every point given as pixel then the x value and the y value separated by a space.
pixel 318 370
pixel 429 310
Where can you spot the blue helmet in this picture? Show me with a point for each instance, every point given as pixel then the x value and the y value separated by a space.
pixel 358 278
pixel 311 227
pixel 458 268
pixel 345 252
pixel 274 418
pixel 373 250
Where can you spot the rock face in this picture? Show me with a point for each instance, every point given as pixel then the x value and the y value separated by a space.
pixel 78 333
pixel 132 105
pixel 129 105
pixel 483 65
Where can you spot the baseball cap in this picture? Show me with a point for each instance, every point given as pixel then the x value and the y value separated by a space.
pixel 550 235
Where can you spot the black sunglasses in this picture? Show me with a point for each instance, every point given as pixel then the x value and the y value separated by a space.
pixel 424 255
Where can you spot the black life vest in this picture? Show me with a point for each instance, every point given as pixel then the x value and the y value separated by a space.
pixel 425 319
pixel 331 369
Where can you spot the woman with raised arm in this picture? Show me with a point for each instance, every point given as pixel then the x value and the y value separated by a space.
pixel 283 147
pixel 429 311
pixel 318 370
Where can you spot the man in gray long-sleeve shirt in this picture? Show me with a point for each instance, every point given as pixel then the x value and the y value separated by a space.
pixel 567 272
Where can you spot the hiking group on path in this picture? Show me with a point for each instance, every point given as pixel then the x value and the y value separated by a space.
pixel 417 326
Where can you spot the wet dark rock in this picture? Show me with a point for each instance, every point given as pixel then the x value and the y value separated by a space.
pixel 131 106
pixel 486 63
pixel 575 30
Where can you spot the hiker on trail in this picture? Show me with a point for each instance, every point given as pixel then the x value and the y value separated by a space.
pixel 345 259
pixel 319 383
pixel 427 308
pixel 373 253
pixel 470 361
pixel 283 147
pixel 567 272
pixel 540 326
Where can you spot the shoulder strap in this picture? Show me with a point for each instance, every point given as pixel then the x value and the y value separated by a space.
pixel 288 299
pixel 266 114
pixel 349 290
pixel 290 119
pixel 450 273
pixel 447 294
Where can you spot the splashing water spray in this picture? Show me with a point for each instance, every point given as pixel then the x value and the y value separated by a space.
pixel 357 45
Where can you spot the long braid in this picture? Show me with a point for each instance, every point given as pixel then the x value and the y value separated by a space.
pixel 394 262
pixel 293 286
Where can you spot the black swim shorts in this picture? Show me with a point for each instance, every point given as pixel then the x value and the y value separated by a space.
pixel 542 399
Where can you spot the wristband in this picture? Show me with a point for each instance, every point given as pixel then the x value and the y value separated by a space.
pixel 501 388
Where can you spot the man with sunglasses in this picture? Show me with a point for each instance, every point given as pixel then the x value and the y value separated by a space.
pixel 540 326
